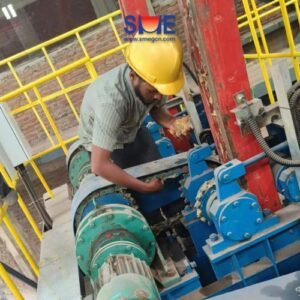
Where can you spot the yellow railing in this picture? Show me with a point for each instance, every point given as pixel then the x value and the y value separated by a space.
pixel 41 102
pixel 36 102
pixel 253 18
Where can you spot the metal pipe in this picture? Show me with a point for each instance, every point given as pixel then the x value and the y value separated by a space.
pixel 28 186
pixel 21 245
pixel 262 155
pixel 10 284
pixel 19 275
pixel 29 217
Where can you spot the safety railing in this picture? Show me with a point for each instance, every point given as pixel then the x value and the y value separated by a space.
pixel 38 103
pixel 41 102
pixel 253 19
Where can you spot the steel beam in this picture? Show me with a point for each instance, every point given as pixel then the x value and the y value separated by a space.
pixel 213 38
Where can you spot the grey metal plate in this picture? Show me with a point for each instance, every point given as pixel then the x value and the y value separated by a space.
pixel 154 167
pixel 284 288
pixel 58 266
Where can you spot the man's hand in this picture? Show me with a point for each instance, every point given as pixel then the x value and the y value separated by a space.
pixel 181 126
pixel 154 185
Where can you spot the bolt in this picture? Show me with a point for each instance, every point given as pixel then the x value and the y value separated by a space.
pixel 141 294
pixel 223 219
pixel 253 204
pixel 128 248
pixel 240 98
pixel 193 264
pixel 152 244
pixel 229 234
pixel 297 289
pixel 95 265
pixel 236 203
pixel 267 212
pixel 110 216
pixel 80 241
pixel 79 257
pixel 213 237
pixel 199 213
pixel 130 217
pixel 187 208
pixel 92 224
pixel 202 219
pixel 225 176
pixel 145 227
pixel 247 235
pixel 258 220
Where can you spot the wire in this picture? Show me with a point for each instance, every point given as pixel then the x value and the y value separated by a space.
pixel 256 131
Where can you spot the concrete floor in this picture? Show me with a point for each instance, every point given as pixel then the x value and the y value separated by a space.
pixel 59 277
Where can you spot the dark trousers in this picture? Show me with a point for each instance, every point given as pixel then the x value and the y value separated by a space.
pixel 142 150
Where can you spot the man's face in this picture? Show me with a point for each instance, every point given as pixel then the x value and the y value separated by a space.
pixel 147 93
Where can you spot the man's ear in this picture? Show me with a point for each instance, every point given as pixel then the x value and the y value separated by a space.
pixel 132 75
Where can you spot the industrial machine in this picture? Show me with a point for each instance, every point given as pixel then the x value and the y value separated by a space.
pixel 229 215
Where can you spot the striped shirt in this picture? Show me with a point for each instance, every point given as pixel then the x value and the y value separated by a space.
pixel 111 113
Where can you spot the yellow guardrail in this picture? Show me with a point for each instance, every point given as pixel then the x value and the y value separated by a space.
pixel 39 101
pixel 252 19
pixel 10 284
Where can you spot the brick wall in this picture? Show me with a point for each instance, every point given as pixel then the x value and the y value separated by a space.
pixel 97 41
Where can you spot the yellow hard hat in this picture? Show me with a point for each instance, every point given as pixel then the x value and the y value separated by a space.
pixel 157 58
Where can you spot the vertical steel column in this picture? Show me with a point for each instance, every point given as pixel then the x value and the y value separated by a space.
pixel 136 7
pixel 213 38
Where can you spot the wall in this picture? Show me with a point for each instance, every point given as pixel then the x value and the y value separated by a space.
pixel 97 41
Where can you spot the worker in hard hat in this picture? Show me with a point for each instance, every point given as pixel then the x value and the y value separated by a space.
pixel 115 105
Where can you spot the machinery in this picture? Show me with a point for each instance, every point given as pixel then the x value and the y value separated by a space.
pixel 227 218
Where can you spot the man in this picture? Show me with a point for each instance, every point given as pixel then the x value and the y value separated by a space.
pixel 115 105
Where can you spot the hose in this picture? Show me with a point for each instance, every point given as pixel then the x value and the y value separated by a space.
pixel 194 77
pixel 256 131
pixel 294 102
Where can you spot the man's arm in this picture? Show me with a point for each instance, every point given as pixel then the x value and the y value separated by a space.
pixel 104 167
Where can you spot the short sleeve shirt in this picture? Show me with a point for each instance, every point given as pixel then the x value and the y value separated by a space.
pixel 111 113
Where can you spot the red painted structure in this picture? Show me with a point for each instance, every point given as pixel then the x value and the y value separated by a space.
pixel 213 39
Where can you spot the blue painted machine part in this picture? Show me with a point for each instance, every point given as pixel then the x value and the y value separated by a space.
pixel 194 226
pixel 149 202
pixel 270 253
pixel 287 183
pixel 230 233
pixel 189 282
pixel 235 212
pixel 199 172
pixel 164 145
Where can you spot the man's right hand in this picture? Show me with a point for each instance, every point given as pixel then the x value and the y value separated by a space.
pixel 154 185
